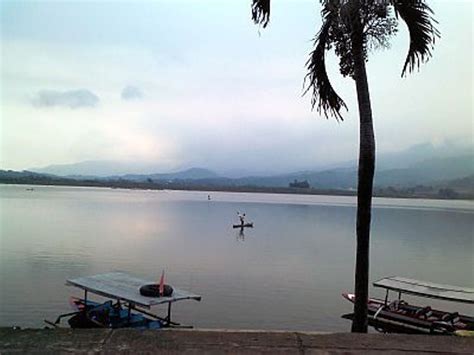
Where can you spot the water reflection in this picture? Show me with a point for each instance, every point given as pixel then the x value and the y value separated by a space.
pixel 286 274
pixel 240 235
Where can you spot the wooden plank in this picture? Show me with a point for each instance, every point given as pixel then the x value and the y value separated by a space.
pixel 427 289
pixel 124 287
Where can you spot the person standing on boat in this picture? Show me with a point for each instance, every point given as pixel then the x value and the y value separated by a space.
pixel 242 218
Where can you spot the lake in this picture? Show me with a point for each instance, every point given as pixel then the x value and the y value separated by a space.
pixel 288 272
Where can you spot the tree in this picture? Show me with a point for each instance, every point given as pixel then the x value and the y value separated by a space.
pixel 353 28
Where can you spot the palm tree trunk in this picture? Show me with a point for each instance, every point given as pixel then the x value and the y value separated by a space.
pixel 365 180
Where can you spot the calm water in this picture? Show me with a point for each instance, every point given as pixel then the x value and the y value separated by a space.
pixel 286 273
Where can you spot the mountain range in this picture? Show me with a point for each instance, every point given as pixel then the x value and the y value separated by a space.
pixel 423 164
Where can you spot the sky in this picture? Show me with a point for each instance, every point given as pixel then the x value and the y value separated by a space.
pixel 172 84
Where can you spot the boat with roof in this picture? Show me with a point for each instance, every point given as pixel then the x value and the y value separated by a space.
pixel 398 316
pixel 128 306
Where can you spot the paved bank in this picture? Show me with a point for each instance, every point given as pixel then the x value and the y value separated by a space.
pixel 224 341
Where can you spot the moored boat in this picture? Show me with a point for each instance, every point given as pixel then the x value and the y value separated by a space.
pixel 398 316
pixel 127 307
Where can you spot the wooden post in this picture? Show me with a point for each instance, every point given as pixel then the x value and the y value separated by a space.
pixel 169 314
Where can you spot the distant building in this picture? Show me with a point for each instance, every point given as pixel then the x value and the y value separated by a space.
pixel 300 184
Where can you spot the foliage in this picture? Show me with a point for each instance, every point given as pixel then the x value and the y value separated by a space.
pixel 379 20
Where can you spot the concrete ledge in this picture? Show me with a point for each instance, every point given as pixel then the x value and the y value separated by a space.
pixel 224 341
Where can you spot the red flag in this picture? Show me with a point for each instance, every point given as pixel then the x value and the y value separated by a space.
pixel 162 284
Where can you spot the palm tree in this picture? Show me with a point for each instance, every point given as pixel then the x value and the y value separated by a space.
pixel 352 28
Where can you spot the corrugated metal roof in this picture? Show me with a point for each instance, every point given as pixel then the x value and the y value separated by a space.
pixel 121 286
pixel 427 289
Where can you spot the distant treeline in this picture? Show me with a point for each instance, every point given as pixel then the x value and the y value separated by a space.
pixel 39 179
pixel 28 178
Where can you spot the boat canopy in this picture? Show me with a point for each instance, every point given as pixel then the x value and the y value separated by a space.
pixel 427 289
pixel 121 286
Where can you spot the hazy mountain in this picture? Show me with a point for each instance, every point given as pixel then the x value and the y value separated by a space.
pixel 100 168
pixel 189 174
pixel 427 171
pixel 342 178
pixel 465 184
pixel 414 154
pixel 455 173
pixel 385 161
pixel 422 173
pixel 19 174
pixel 420 164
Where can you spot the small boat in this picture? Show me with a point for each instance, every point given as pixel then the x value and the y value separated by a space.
pixel 398 316
pixel 246 225
pixel 127 307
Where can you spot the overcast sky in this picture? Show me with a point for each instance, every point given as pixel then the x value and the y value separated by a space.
pixel 194 83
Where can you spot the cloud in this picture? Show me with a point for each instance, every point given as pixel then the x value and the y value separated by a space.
pixel 73 98
pixel 131 93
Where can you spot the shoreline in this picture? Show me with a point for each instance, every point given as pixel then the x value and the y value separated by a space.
pixel 127 185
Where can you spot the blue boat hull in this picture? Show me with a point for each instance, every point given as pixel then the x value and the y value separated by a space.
pixel 106 315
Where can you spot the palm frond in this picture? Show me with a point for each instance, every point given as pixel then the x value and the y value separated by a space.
pixel 323 94
pixel 261 12
pixel 421 26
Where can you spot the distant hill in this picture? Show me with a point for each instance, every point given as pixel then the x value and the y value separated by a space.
pixel 342 178
pixel 461 188
pixel 189 174
pixel 97 168
pixel 462 185
pixel 423 164
pixel 12 174
pixel 422 172
pixel 427 172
